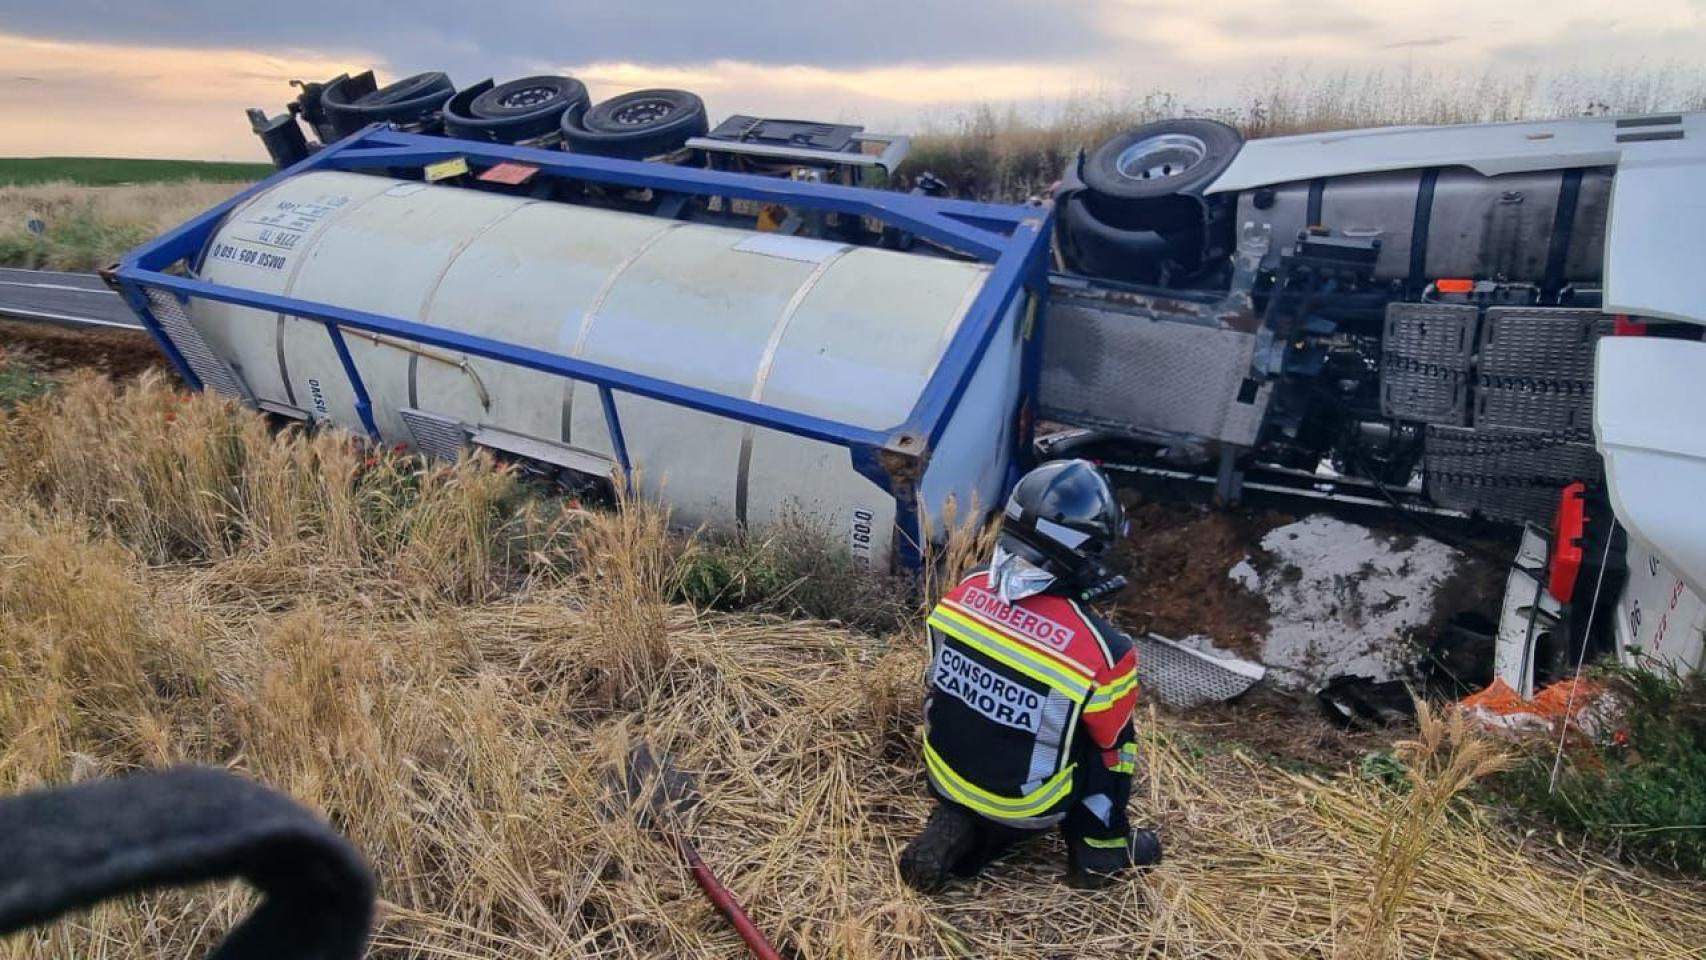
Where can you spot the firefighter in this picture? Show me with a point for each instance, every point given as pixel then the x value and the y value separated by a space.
pixel 1028 709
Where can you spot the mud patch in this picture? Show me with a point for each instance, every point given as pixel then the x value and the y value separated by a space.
pixel 116 353
pixel 1177 557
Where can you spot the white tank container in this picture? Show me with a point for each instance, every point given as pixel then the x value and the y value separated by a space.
pixel 847 333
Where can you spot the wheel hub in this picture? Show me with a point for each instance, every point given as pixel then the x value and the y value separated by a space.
pixel 1163 155
pixel 527 97
pixel 642 112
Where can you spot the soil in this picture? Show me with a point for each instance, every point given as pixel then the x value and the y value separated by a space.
pixel 116 353
pixel 1177 557
pixel 1290 729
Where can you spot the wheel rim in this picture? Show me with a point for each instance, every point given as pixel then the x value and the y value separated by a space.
pixel 1160 156
pixel 527 97
pixel 642 112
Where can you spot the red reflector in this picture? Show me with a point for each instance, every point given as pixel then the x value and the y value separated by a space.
pixel 1622 326
pixel 1567 530
pixel 1454 286
pixel 513 174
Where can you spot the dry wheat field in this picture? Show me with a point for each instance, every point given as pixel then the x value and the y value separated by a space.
pixel 446 664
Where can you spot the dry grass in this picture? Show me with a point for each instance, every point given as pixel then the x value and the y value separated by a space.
pixel 89 227
pixel 444 669
pixel 1010 151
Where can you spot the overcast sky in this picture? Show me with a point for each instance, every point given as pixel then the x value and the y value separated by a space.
pixel 156 78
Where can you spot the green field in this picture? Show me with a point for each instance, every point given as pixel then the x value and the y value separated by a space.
pixel 107 171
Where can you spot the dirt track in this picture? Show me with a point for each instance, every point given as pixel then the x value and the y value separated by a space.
pixel 116 353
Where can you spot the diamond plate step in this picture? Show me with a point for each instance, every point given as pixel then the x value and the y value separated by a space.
pixel 1535 367
pixel 213 372
pixel 1512 474
pixel 1424 365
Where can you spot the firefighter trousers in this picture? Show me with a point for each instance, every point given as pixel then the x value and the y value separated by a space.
pixel 1096 829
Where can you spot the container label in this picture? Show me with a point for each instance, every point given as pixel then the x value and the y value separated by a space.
pixel 859 541
pixel 268 236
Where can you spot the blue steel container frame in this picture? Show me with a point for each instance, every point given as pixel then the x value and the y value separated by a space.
pixel 1014 240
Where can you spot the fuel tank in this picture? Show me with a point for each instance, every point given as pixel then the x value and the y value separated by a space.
pixel 1506 227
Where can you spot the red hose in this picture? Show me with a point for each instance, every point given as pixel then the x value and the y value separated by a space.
pixel 723 900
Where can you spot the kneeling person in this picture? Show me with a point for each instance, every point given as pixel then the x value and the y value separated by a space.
pixel 1028 713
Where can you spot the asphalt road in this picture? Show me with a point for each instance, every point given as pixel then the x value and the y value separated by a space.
pixel 66 299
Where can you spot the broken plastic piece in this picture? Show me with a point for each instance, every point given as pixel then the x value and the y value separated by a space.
pixel 1567 534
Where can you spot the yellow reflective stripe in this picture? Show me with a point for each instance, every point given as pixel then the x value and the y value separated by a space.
pixel 1117 843
pixel 1065 668
pixel 1128 759
pixel 971 795
pixel 1104 698
pixel 1012 653
pixel 993 628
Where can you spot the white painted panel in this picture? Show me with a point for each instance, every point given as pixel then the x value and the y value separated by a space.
pixel 1658 617
pixel 1656 243
pixel 1487 148
pixel 1646 422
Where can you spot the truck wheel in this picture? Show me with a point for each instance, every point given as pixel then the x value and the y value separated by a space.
pixel 515 111
pixel 419 86
pixel 528 97
pixel 1162 159
pixel 638 125
pixel 411 100
pixel 1092 246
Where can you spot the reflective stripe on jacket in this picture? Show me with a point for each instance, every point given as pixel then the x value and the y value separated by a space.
pixel 1009 687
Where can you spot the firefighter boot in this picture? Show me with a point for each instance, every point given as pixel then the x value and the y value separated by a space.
pixel 1092 867
pixel 928 861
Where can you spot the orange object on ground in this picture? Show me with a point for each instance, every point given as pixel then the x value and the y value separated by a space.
pixel 1454 285
pixel 1501 707
pixel 1565 696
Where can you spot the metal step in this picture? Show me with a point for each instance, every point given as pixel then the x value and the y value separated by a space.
pixel 543 451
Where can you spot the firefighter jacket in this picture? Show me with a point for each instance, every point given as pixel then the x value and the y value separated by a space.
pixel 1019 697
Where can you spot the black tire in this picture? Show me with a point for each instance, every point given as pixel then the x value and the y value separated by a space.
pixel 1092 246
pixel 928 861
pixel 634 126
pixel 407 89
pixel 519 110
pixel 411 100
pixel 1162 159
pixel 529 97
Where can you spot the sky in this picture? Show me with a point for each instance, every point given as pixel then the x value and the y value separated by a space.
pixel 171 79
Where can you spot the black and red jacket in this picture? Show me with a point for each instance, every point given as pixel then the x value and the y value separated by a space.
pixel 1021 697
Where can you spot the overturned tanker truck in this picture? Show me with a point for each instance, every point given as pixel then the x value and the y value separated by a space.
pixel 1498 320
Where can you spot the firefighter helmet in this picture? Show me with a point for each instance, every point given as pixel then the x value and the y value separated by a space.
pixel 1062 517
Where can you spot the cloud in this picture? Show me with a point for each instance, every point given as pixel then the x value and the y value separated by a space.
pixel 1439 41
pixel 106 100
pixel 171 78
pixel 501 34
